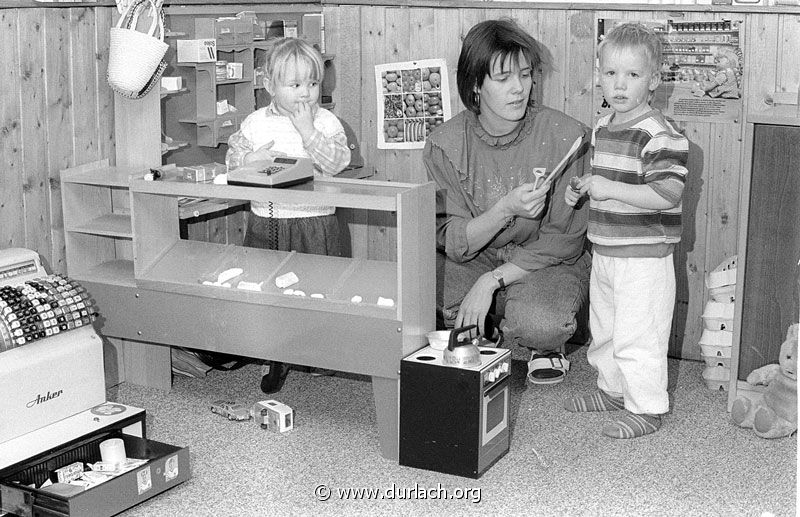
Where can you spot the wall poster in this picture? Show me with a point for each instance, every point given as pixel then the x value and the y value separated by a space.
pixel 413 98
pixel 701 74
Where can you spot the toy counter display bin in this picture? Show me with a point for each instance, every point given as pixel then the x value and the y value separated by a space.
pixel 716 347
pixel 717 377
pixel 227 31
pixel 718 315
pixel 721 282
pixel 166 466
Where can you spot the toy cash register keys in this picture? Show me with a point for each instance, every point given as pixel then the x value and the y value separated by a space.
pixel 281 171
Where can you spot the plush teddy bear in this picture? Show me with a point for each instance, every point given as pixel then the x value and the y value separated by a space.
pixel 772 413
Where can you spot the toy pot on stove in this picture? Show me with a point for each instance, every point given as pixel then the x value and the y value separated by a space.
pixel 465 353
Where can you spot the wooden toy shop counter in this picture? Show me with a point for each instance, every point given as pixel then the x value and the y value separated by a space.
pixel 170 304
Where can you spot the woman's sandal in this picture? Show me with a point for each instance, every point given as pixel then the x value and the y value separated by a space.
pixel 547 368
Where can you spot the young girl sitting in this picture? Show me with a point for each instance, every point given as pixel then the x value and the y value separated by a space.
pixel 293 124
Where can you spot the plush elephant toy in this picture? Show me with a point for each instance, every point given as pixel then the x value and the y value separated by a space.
pixel 772 413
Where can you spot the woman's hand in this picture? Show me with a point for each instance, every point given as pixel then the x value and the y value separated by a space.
pixel 475 305
pixel 526 201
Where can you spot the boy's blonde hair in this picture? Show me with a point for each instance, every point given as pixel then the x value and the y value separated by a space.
pixel 292 50
pixel 635 35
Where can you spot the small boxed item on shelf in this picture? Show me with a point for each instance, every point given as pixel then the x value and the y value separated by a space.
pixel 234 70
pixel 172 84
pixel 205 172
pixel 221 70
pixel 226 30
pixel 197 50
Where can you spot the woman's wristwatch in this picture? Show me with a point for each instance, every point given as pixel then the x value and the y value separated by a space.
pixel 498 275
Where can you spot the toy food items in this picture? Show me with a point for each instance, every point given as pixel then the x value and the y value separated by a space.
pixel 773 413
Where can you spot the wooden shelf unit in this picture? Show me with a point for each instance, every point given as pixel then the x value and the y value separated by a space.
pixel 97 222
pixel 192 117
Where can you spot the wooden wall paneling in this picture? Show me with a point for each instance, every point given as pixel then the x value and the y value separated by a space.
pixel 422 34
pixel 120 198
pixel 84 91
pixel 723 193
pixel 446 24
pixel 59 150
pixel 690 253
pixel 237 222
pixel 343 37
pixel 196 229
pixel 374 50
pixel 553 36
pixel 579 76
pixel 398 33
pixel 372 45
pixel 36 206
pixel 12 229
pixel 760 60
pixel 528 19
pixel 343 40
pixel 105 95
pixel 788 79
pixel 219 227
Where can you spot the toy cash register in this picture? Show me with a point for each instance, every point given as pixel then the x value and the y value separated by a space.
pixel 281 171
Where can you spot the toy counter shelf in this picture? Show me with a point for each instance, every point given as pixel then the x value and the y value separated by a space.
pixel 352 314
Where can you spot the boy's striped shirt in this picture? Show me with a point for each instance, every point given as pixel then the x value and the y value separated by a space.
pixel 648 150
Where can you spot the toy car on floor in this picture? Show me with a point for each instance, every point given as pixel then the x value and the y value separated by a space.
pixel 231 410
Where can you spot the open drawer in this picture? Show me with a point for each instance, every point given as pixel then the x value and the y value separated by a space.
pixel 166 466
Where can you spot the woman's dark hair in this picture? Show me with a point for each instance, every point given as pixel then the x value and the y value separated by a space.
pixel 483 43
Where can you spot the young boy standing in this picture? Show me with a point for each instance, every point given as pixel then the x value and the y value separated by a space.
pixel 635 189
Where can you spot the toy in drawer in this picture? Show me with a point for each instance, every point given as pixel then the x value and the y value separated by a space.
pixel 161 467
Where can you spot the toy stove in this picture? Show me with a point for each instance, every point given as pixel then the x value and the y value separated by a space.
pixel 454 419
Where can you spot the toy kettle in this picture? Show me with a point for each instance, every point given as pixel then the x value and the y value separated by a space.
pixel 464 353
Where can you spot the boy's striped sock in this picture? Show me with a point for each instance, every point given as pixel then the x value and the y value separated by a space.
pixel 598 401
pixel 633 425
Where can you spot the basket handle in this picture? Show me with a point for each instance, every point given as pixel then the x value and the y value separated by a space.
pixel 131 17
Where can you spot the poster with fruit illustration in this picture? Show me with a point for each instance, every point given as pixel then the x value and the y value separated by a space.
pixel 413 98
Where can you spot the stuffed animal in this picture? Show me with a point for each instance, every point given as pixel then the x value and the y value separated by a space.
pixel 773 413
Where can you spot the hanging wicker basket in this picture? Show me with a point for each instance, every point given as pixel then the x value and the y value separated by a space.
pixel 135 60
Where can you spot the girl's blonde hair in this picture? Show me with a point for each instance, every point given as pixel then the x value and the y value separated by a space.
pixel 635 35
pixel 293 50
